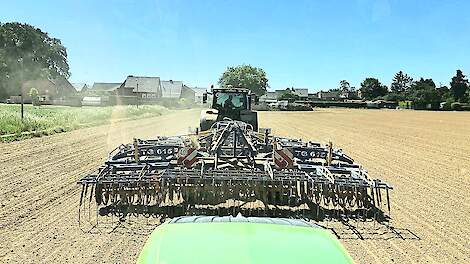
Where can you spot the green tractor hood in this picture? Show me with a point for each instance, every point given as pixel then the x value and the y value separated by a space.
pixel 214 240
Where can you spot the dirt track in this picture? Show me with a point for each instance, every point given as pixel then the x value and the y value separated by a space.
pixel 424 155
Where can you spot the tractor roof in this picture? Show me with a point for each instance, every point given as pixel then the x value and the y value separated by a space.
pixel 241 240
pixel 231 89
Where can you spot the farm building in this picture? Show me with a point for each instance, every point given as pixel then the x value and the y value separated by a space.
pixel 301 92
pixel 145 88
pixel 330 95
pixel 313 96
pixel 176 90
pixel 50 91
pixel 188 93
pixel 268 97
pixel 80 87
pixel 199 93
pixel 100 87
pixel 171 89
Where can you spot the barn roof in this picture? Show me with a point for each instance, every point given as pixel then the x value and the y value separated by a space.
pixel 79 86
pixel 171 89
pixel 101 86
pixel 142 84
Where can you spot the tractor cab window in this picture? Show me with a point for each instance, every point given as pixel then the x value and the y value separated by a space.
pixel 230 101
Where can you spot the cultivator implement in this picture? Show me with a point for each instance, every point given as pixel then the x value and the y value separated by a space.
pixel 230 169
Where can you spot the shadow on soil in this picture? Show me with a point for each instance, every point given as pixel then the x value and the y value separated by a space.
pixel 370 230
pixel 360 225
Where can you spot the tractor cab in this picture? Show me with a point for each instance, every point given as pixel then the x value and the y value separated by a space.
pixel 229 103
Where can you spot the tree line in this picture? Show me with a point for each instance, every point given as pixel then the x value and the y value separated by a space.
pixel 421 92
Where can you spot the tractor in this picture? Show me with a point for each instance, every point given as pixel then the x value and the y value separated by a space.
pixel 231 104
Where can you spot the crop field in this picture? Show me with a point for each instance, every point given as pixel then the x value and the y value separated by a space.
pixel 424 155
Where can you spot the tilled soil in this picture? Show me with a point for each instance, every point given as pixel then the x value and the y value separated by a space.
pixel 424 155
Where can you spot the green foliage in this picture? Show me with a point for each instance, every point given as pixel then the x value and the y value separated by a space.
pixel 371 88
pixel 344 86
pixel 448 104
pixel 456 106
pixel 63 118
pixel 34 96
pixel 395 97
pixel 405 104
pixel 27 53
pixel 245 76
pixel 459 86
pixel 423 93
pixel 444 93
pixel 401 83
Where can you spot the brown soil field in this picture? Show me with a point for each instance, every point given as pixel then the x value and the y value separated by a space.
pixel 424 155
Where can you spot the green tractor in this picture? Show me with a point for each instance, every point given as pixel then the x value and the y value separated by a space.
pixel 228 239
pixel 229 103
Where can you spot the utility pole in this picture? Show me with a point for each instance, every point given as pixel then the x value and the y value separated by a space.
pixel 137 91
pixel 22 105
pixel 21 90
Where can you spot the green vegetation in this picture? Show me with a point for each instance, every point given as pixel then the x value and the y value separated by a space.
pixel 52 119
pixel 372 88
pixel 245 76
pixel 34 96
pixel 27 53
pixel 423 93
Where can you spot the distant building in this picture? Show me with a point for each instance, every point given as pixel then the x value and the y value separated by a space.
pixel 171 89
pixel 199 93
pixel 188 93
pixel 80 87
pixel 146 88
pixel 268 97
pixel 349 95
pixel 49 89
pixel 104 87
pixel 312 96
pixel 301 92
pixel 136 89
pixel 331 95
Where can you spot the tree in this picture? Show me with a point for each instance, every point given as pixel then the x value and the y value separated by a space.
pixel 27 53
pixel 444 93
pixel 344 86
pixel 401 83
pixel 245 76
pixel 459 86
pixel 424 92
pixel 371 88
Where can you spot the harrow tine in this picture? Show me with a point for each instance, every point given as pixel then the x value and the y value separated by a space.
pixel 388 199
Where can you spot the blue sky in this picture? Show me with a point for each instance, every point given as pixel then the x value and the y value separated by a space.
pixel 312 44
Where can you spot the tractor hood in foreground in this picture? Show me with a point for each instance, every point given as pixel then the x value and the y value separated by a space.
pixel 234 241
